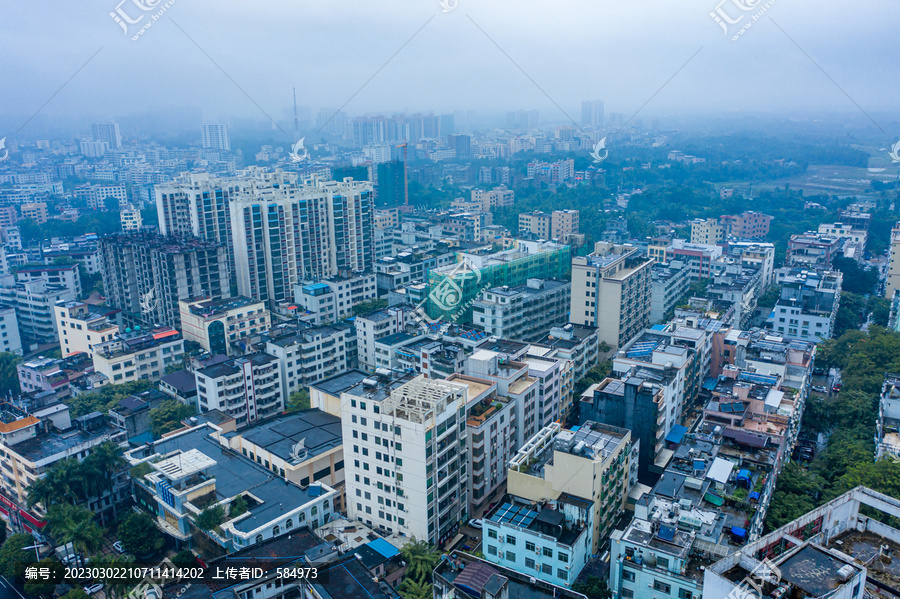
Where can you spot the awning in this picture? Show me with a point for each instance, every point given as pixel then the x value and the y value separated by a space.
pixel 676 435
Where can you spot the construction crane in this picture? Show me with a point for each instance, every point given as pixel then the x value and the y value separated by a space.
pixel 405 146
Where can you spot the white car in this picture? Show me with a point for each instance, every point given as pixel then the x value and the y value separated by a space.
pixel 94 588
pixel 476 524
pixel 118 546
pixel 819 389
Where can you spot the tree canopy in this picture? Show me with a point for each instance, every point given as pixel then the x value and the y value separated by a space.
pixel 139 534
pixel 167 417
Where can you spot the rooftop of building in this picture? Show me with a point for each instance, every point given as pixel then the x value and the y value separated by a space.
pixel 361 384
pixel 544 518
pixel 287 335
pixel 471 576
pixel 318 431
pixel 56 443
pixel 208 308
pixel 350 578
pixel 235 474
pixel 130 342
pixel 502 346
pixel 540 287
pixel 182 381
pixel 395 339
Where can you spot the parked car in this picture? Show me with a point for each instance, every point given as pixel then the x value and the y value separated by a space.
pixel 819 389
pixel 476 524
pixel 94 588
pixel 118 546
pixel 837 387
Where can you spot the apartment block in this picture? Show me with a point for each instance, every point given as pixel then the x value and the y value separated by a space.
pixel 309 354
pixel 332 299
pixel 592 463
pixel 811 250
pixel 135 354
pixel 483 200
pixel 214 136
pixel 61 275
pixel 303 448
pixel 80 326
pixel 10 341
pixel 375 326
pixel 33 442
pixel 707 231
pixel 287 232
pixel 523 313
pixel 892 283
pixel 36 211
pixel 95 194
pixel 247 389
pixel 669 282
pixel 178 477
pixel 145 275
pixel 491 581
pixel 749 225
pixel 611 291
pixel 34 302
pixel 887 431
pixel 856 238
pixel 406 456
pixel 130 219
pixel 808 305
pixel 226 326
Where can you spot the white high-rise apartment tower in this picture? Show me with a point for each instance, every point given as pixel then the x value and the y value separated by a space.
pixel 108 132
pixel 214 136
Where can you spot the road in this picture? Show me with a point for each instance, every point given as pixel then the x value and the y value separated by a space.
pixel 8 590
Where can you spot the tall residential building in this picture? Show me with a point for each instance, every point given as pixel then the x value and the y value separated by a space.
pixel 707 231
pixel 406 456
pixel 523 313
pixel 611 291
pixel 107 132
pixel 748 225
pixel 145 275
pixel 559 224
pixel 214 136
pixel 131 219
pixel 197 204
pixel 9 331
pixel 81 326
pixel 289 232
pixel 592 113
pixel 34 301
pixel 893 273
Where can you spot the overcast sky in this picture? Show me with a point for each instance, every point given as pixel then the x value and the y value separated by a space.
pixel 621 52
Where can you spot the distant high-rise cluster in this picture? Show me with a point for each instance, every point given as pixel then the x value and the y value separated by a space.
pixel 592 113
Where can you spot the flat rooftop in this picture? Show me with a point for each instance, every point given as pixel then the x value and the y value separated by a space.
pixel 813 571
pixel 236 474
pixel 319 431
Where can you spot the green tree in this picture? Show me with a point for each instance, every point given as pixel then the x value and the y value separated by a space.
pixel 421 559
pixel 185 559
pixel 12 553
pixel 364 308
pixel 414 589
pixel 299 400
pixel 238 506
pixel 139 534
pixel 593 587
pixel 106 398
pixel 9 377
pixel 68 523
pixel 168 415
pixel 210 518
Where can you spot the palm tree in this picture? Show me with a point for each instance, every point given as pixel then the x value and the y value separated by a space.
pixel 106 460
pixel 72 524
pixel 70 477
pixel 43 491
pixel 412 589
pixel 421 559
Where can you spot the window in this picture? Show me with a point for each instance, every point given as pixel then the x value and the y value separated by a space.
pixel 662 562
pixel 562 574
pixel 529 563
pixel 626 593
pixel 564 557
pixel 685 594
pixel 511 539
pixel 510 556
pixel 492 534
pixel 548 552
pixel 627 575
pixel 492 550
pixel 547 569
pixel 529 546
pixel 661 587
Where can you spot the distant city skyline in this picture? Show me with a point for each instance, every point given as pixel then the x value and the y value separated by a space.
pixel 230 64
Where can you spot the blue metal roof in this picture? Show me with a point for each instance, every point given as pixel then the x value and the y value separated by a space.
pixel 676 435
pixel 383 547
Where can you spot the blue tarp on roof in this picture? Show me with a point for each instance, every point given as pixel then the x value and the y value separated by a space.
pixel 738 532
pixel 658 327
pixel 754 495
pixel 710 383
pixel 743 475
pixel 383 547
pixel 699 465
pixel 574 429
pixel 676 435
